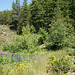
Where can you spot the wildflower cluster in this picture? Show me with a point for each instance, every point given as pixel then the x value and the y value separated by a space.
pixel 15 68
pixel 18 64
pixel 11 58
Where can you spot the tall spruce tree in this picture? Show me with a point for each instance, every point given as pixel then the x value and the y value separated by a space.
pixel 72 15
pixel 37 13
pixel 48 6
pixel 24 13
pixel 16 12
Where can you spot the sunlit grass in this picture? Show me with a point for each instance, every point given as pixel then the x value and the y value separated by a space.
pixel 31 64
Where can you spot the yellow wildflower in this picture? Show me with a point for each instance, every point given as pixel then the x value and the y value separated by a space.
pixel 2 70
pixel 14 63
pixel 3 66
pixel 11 72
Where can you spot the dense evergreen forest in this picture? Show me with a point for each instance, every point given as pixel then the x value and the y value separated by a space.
pixel 41 14
pixel 54 20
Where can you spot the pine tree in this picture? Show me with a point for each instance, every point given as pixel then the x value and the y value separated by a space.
pixel 37 13
pixel 24 13
pixel 25 16
pixel 48 9
pixel 1 17
pixel 16 12
pixel 72 15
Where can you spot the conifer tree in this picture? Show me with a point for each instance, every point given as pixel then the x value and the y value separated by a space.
pixel 48 6
pixel 24 13
pixel 37 13
pixel 16 12
pixel 72 15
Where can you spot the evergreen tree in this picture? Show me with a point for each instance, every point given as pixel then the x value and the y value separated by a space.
pixel 49 6
pixel 37 13
pixel 16 12
pixel 72 15
pixel 24 13
pixel 5 17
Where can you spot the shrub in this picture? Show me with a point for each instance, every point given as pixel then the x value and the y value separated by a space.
pixel 32 29
pixel 26 43
pixel 71 52
pixel 72 41
pixel 63 64
pixel 32 42
pixel 18 44
pixel 56 36
pixel 3 58
pixel 27 30
pixel 43 35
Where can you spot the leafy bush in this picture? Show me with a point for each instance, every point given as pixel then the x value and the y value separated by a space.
pixel 26 43
pixel 32 29
pixel 71 52
pixel 27 30
pixel 18 44
pixel 32 42
pixel 72 41
pixel 56 36
pixel 63 64
pixel 3 58
pixel 43 35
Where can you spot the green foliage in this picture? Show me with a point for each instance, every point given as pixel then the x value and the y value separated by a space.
pixel 32 29
pixel 32 42
pixel 26 43
pixel 72 43
pixel 17 45
pixel 56 36
pixel 5 17
pixel 25 30
pixel 53 19
pixel 37 13
pixel 43 36
pixel 63 64
pixel 71 52
pixel 16 16
pixel 24 13
pixel 3 59
pixel 69 41
pixel 19 29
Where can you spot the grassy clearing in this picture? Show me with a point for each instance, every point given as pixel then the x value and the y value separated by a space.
pixel 31 66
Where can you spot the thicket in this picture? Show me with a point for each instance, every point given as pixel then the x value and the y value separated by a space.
pixel 23 44
pixel 48 22
pixel 60 66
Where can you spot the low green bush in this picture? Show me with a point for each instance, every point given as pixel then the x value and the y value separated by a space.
pixel 71 52
pixel 63 64
pixel 72 40
pixel 3 59
pixel 18 44
pixel 26 43
pixel 43 34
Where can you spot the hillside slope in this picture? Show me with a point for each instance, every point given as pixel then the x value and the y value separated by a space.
pixel 5 35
